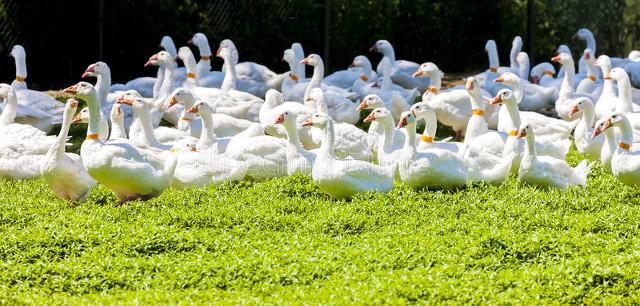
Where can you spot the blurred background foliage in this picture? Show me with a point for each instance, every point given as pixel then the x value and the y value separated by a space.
pixel 62 37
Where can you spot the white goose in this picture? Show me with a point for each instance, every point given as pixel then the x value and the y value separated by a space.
pixel 225 126
pixel 566 95
pixel 346 78
pixel 543 74
pixel 401 70
pixel 387 152
pixel 589 84
pixel 202 168
pixel 610 143
pixel 299 160
pixel 31 139
pixel 251 71
pixel 344 111
pixel 130 171
pixel 117 123
pixel 275 105
pixel 102 73
pixel 204 76
pixel 434 168
pixel 548 171
pixel 372 102
pixel 331 92
pixel 625 163
pixel 422 111
pixel 606 103
pixel 342 178
pixel 34 107
pixel 531 97
pixel 62 171
pixel 585 143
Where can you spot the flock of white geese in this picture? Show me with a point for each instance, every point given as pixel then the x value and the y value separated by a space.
pixel 248 122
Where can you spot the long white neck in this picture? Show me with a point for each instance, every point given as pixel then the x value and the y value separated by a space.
pixel 158 82
pixel 624 95
pixel 566 88
pixel 410 140
pixel 514 115
pixel 436 80
pixel 626 133
pixel 387 137
pixel 390 54
pixel 103 84
pixel 21 66
pixel 185 125
pixel 316 78
pixel 513 57
pixel 10 109
pixel 494 60
pixel 167 82
pixel 321 105
pixel 610 140
pixel 57 149
pixel 608 87
pixel 117 128
pixel 95 113
pixel 386 77
pixel 589 116
pixel 190 64
pixel 524 69
pixel 366 68
pixel 204 65
pixel 147 128
pixel 208 136
pixel 476 100
pixel 292 135
pixel 517 91
pixel 328 138
pixel 430 124
pixel 229 81
pixel 591 42
pixel 531 146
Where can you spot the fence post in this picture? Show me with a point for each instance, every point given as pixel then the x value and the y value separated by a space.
pixel 530 27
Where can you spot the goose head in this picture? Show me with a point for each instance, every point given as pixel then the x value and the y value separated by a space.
pixel 312 60
pixel 618 74
pixel 18 52
pixel 286 118
pixel 604 62
pixel 186 55
pixel 504 96
pixel 563 49
pixel 381 46
pixel 426 69
pixel 82 116
pixel 224 52
pixel 273 98
pixel 370 102
pixel 199 40
pixel 471 85
pixel 82 90
pixel 508 78
pixel 319 120
pixel 315 95
pixel 588 56
pixel 201 108
pixel 490 46
pixel 70 108
pixel 378 114
pixel 153 60
pixel 540 70
pixel 164 58
pixel 634 55
pixel 116 113
pixel 582 34
pixel 406 118
pixel 525 131
pixel 579 105
pixel 289 57
pixel 421 110
pixel 563 58
pixel 167 44
pixel 95 69
pixel 608 122
pixel 6 91
pixel 182 96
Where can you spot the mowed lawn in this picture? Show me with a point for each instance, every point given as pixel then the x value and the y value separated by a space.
pixel 283 241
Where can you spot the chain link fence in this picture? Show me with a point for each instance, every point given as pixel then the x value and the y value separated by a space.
pixel 62 37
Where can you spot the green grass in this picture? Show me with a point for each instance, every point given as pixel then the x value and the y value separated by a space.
pixel 282 241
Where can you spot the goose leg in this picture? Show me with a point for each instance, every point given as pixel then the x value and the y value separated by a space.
pixel 458 135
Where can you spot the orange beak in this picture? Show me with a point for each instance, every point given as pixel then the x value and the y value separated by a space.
pixel 521 133
pixel 307 122
pixel 402 123
pixel 417 73
pixel 190 41
pixel 76 119
pixel 305 61
pixel 607 77
pixel 123 100
pixel 194 149
pixel 556 58
pixel 496 100
pixel 370 118
pixel 499 80
pixel 73 89
pixel 607 124
pixel 173 101
pixel 117 109
pixel 373 48
pixel 218 52
pixel 193 109
pixel 470 86
pixel 574 110
pixel 362 105
pixel 151 60
pixel 90 69
pixel 73 103
pixel 280 119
